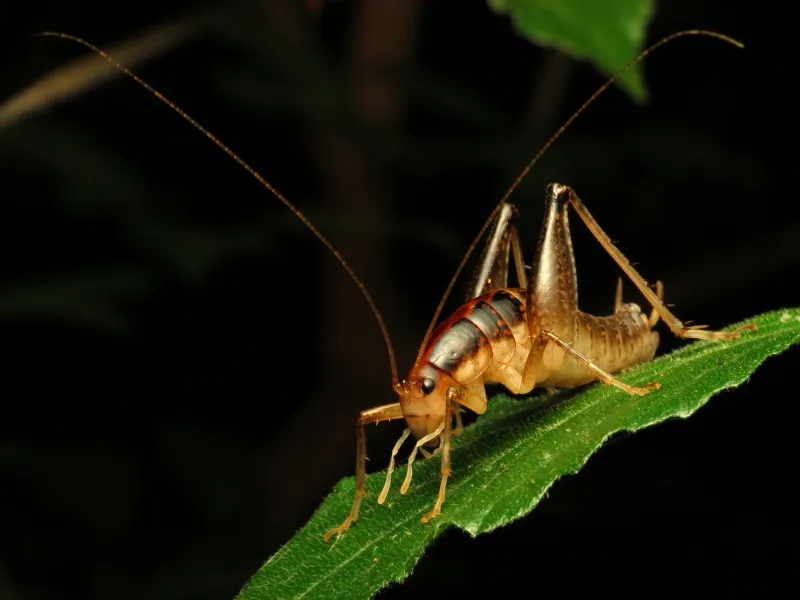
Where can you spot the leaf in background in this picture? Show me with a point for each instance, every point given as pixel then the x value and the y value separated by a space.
pixel 94 178
pixel 95 181
pixel 86 299
pixel 81 75
pixel 503 465
pixel 609 34
pixel 193 252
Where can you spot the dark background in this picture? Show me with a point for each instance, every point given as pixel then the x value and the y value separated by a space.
pixel 184 362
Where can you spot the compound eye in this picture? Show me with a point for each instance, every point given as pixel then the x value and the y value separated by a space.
pixel 427 385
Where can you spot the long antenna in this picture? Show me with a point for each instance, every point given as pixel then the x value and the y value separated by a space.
pixel 544 149
pixel 298 213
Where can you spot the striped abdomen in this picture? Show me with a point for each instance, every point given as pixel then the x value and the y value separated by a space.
pixel 613 343
pixel 488 337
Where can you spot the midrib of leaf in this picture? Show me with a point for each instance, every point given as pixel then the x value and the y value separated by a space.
pixel 513 432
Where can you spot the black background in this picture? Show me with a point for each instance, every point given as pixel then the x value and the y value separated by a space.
pixel 168 456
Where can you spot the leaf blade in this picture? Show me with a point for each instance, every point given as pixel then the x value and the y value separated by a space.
pixel 503 466
pixel 608 34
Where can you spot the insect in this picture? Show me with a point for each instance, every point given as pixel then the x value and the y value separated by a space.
pixel 521 337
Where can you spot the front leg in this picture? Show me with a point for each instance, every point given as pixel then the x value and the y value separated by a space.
pixel 445 470
pixel 387 412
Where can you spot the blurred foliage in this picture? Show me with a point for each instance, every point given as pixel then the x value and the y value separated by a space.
pixel 90 300
pixel 278 79
pixel 271 78
pixel 88 72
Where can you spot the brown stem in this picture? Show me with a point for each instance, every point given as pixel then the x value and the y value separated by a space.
pixel 381 36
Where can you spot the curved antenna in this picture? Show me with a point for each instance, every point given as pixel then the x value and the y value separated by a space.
pixel 544 149
pixel 298 213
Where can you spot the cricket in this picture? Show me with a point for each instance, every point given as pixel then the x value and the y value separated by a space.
pixel 519 337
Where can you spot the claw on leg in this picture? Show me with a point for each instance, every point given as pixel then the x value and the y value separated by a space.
pixel 437 507
pixel 445 470
pixel 387 412
pixel 699 332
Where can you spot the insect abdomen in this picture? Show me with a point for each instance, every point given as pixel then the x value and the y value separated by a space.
pixel 613 343
pixel 488 337
pixel 618 341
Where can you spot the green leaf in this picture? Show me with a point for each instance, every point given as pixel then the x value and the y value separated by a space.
pixel 609 33
pixel 502 467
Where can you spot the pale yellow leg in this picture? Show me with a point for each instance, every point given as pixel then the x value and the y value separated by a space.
pixel 459 423
pixel 445 470
pixel 387 412
pixel 675 325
